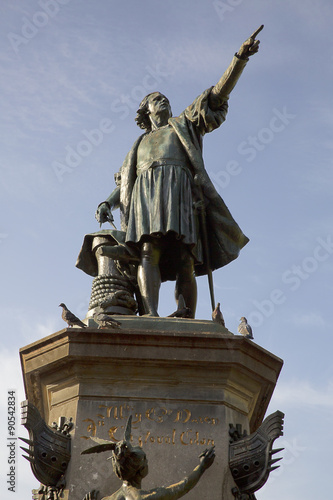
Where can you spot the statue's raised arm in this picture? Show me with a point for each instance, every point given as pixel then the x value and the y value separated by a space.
pixel 175 491
pixel 220 93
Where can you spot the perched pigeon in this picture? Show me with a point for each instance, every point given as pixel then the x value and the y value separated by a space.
pixel 182 310
pixel 70 318
pixel 217 315
pixel 106 321
pixel 245 329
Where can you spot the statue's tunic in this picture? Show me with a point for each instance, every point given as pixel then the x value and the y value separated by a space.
pixel 162 200
pixel 156 188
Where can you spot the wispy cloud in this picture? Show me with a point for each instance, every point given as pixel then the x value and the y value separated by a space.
pixel 30 324
pixel 308 320
pixel 299 393
pixel 314 16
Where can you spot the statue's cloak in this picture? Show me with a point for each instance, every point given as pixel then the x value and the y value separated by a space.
pixel 225 238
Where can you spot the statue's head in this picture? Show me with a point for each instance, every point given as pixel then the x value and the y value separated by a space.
pixel 129 462
pixel 152 103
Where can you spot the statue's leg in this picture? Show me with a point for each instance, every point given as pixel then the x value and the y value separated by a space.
pixel 186 284
pixel 149 277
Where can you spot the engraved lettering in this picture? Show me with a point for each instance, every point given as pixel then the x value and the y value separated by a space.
pixel 173 436
pixel 182 438
pixel 149 413
pixel 183 416
pixel 147 436
pixel 112 432
pixel 137 418
pixel 91 427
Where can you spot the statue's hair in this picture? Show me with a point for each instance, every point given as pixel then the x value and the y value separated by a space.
pixel 142 114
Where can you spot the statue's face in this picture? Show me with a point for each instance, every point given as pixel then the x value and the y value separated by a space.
pixel 123 450
pixel 144 469
pixel 158 104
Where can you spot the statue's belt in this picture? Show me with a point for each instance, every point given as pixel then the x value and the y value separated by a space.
pixel 142 167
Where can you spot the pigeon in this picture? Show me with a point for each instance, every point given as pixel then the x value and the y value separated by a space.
pixel 217 315
pixel 70 318
pixel 182 310
pixel 106 321
pixel 245 329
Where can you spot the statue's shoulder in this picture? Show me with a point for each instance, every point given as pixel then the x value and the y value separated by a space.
pixel 132 152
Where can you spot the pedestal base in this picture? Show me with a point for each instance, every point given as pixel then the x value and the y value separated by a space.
pixel 183 381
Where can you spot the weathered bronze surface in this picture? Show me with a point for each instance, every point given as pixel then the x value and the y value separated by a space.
pixel 130 464
pixel 105 256
pixel 162 184
pixel 49 449
pixel 250 457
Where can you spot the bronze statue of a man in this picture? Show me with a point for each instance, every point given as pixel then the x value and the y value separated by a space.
pixel 162 186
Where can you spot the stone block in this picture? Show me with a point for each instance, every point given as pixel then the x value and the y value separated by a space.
pixel 183 381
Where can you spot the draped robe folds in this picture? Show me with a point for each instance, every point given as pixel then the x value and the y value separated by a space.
pixel 225 238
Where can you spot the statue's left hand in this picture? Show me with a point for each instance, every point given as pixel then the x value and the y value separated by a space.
pixel 103 213
pixel 250 46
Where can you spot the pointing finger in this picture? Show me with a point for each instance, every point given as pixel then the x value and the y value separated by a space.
pixel 257 31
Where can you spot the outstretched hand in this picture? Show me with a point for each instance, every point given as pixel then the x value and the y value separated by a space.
pixel 251 45
pixel 207 457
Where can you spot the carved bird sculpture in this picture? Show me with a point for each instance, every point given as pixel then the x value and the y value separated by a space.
pixel 70 318
pixel 245 329
pixel 106 321
pixel 217 315
pixel 182 310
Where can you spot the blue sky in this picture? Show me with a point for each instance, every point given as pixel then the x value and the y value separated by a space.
pixel 71 67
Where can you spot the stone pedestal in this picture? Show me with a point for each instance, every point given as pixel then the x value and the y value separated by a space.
pixel 183 381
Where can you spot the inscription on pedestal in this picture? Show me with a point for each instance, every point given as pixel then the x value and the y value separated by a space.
pixel 168 425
